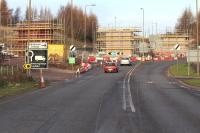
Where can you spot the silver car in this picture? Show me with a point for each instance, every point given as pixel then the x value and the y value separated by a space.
pixel 125 61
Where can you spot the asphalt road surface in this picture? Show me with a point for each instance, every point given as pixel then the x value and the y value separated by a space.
pixel 138 99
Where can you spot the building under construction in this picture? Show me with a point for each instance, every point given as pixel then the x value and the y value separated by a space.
pixel 164 44
pixel 35 31
pixel 120 41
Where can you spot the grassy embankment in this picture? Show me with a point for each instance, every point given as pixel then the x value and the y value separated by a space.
pixel 183 71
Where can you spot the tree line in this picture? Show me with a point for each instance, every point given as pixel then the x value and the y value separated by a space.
pixel 187 24
pixel 11 16
pixel 78 22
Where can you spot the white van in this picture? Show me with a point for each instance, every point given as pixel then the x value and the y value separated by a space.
pixel 40 58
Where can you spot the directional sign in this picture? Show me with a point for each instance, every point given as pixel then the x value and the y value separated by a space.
pixel 193 56
pixel 38 53
pixel 114 54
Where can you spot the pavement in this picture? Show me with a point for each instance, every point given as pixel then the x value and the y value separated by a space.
pixel 138 99
pixel 54 74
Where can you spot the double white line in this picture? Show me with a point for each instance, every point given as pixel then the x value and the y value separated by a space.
pixel 127 97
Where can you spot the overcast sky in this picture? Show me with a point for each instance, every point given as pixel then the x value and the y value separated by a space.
pixel 128 13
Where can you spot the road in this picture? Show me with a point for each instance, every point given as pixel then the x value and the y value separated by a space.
pixel 135 100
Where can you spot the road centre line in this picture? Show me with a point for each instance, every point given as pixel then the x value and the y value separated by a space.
pixel 130 100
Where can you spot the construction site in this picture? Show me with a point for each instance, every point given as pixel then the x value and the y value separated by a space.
pixel 17 37
pixel 121 41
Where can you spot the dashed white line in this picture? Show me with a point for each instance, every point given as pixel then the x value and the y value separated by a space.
pixel 150 82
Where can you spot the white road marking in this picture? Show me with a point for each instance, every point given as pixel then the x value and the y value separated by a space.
pixel 182 86
pixel 128 90
pixel 130 98
pixel 172 82
pixel 150 82
pixel 124 95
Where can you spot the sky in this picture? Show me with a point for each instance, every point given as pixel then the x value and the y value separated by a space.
pixel 128 13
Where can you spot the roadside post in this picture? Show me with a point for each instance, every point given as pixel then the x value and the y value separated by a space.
pixel 72 61
pixel 177 48
pixel 38 52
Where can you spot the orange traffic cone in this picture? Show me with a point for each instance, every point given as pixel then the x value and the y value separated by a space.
pixel 42 83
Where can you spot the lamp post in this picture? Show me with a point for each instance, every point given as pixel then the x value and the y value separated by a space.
pixel 72 26
pixel 86 25
pixel 143 30
pixel 93 35
pixel 197 36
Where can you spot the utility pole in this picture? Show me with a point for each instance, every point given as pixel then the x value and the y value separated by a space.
pixel 188 51
pixel 197 19
pixel 143 30
pixel 72 26
pixel 28 40
pixel 115 22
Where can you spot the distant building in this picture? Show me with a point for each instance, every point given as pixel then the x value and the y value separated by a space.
pixel 40 31
pixel 118 41
pixel 163 44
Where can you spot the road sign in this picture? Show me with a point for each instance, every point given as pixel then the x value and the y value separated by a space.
pixel 72 48
pixel 114 54
pixel 193 56
pixel 177 47
pixel 72 60
pixel 38 53
pixel 27 66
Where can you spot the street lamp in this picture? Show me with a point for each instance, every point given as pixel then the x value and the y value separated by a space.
pixel 197 37
pixel 143 30
pixel 85 26
pixel 72 27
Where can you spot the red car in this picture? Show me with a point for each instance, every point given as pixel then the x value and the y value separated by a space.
pixel 111 67
pixel 92 59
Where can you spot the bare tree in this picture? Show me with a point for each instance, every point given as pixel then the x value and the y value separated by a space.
pixel 185 22
pixel 5 12
pixel 16 16
pixel 78 22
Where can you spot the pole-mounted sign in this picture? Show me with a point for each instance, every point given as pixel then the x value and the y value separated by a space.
pixel 38 53
pixel 72 48
pixel 177 47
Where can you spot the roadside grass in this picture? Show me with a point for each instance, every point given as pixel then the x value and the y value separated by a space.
pixel 182 70
pixel 193 82
pixel 14 88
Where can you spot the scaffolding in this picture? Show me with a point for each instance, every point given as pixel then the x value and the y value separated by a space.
pixel 119 40
pixel 40 31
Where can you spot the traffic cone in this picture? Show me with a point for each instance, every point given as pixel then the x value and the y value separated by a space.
pixel 42 83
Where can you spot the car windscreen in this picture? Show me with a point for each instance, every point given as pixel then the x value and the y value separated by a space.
pixel 110 64
pixel 125 58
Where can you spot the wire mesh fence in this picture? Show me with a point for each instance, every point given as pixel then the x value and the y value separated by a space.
pixel 12 73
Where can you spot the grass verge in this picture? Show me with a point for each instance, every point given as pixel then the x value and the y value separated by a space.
pixel 182 70
pixel 10 88
pixel 193 82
